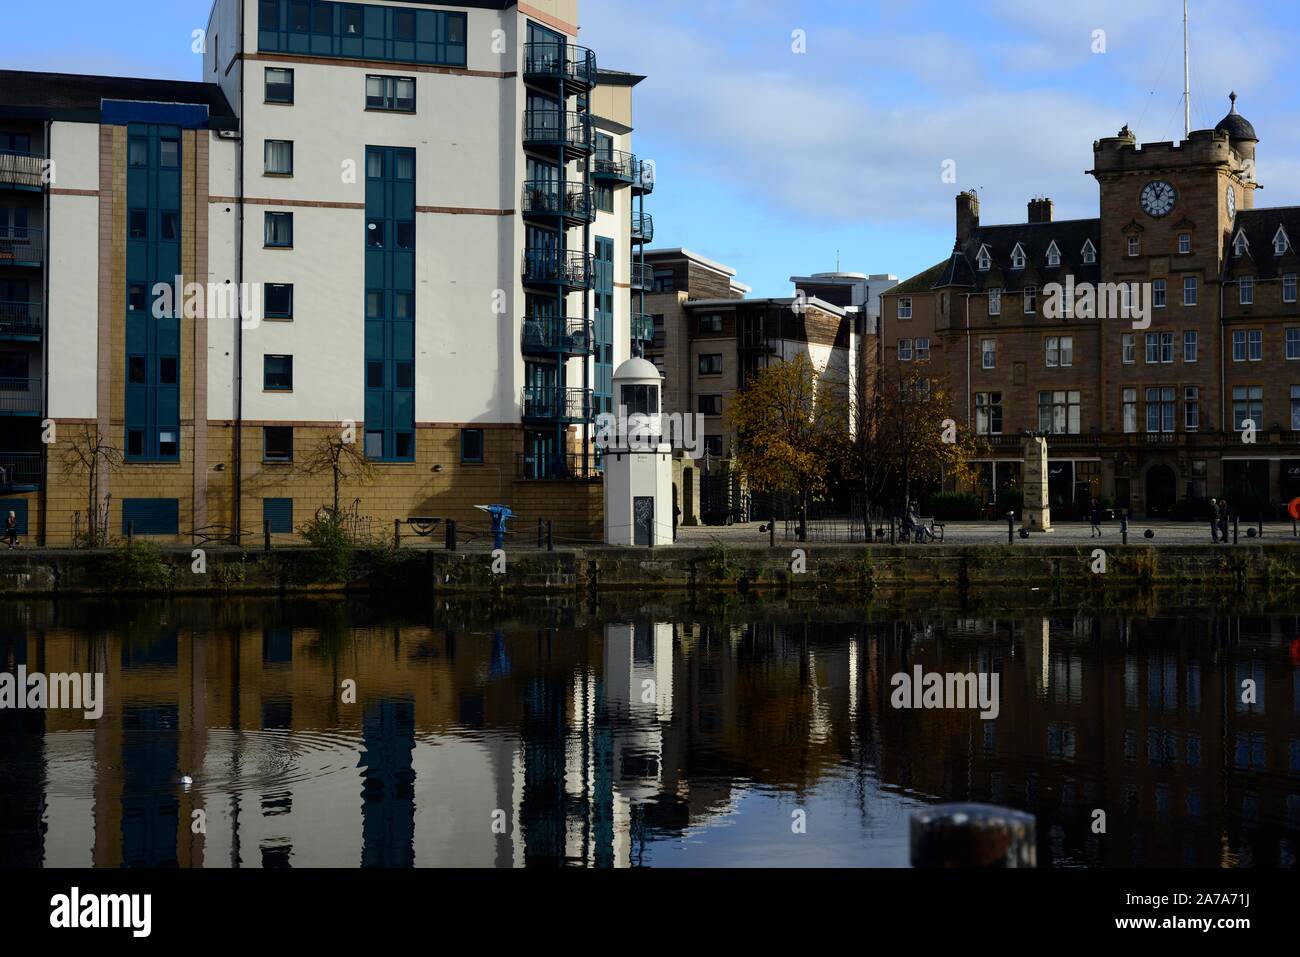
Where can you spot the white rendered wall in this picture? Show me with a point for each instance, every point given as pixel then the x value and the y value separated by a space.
pixel 72 309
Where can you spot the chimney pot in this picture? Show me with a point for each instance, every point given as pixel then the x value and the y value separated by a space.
pixel 1041 210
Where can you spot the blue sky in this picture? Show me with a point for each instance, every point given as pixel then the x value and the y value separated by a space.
pixel 775 162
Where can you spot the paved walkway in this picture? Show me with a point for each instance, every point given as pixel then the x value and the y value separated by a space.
pixel 993 533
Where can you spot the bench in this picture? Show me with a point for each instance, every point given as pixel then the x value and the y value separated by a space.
pixel 928 526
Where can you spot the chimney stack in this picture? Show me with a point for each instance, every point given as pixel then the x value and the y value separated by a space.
pixel 968 216
pixel 1040 210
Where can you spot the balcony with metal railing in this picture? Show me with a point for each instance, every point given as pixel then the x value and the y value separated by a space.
pixel 643 277
pixel 558 129
pixel 567 467
pixel 644 181
pixel 556 336
pixel 20 396
pixel 643 328
pixel 643 228
pixel 20 471
pixel 22 246
pixel 21 321
pixel 569 270
pixel 552 405
pixel 547 62
pixel 22 171
pixel 551 202
pixel 614 168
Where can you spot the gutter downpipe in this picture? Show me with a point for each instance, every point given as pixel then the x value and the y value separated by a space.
pixel 236 511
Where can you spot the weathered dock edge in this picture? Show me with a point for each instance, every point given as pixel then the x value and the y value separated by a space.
pixel 584 571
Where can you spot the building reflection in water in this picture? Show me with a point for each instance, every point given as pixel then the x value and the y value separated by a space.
pixel 638 742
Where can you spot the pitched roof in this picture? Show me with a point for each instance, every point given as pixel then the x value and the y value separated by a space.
pixel 1260 226
pixel 921 282
pixel 1070 236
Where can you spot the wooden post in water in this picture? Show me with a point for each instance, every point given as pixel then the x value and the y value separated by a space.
pixel 973 836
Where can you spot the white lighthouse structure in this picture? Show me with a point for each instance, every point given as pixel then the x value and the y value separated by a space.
pixel 638 462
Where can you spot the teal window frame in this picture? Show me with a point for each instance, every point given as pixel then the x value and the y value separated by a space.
pixel 151 516
pixel 280 432
pixel 277 515
pixel 363 32
pixel 291 86
pixel 284 372
pixel 466 456
pixel 277 216
pixel 278 313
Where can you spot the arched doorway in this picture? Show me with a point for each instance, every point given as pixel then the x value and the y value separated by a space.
pixel 1162 490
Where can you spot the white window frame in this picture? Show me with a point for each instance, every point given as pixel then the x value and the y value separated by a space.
pixel 1190 285
pixel 989 351
pixel 1281 242
pixel 1128 348
pixel 1089 252
pixel 1289 287
pixel 1018 258
pixel 1246 291
pixel 904 311
pixel 1159 293
pixel 1053 255
pixel 1191 346
pixel 1134 246
pixel 995 301
pixel 1184 244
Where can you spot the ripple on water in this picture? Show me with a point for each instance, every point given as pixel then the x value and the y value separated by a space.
pixel 230 761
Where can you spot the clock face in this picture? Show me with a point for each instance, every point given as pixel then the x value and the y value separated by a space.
pixel 1232 202
pixel 1158 198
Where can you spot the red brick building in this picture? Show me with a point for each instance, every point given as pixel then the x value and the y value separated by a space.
pixel 1204 399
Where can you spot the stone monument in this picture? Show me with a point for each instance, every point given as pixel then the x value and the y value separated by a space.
pixel 1037 510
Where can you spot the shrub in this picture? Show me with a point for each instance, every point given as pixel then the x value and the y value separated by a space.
pixel 1009 500
pixel 138 566
pixel 956 506
pixel 1248 504
pixel 333 549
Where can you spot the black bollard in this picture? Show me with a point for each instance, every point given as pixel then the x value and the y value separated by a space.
pixel 1236 527
pixel 1261 524
pixel 266 536
pixel 1123 528
pixel 541 534
pixel 397 533
pixel 451 535
pixel 130 532
pixel 1011 528
pixel 550 537
pixel 973 836
pixel 771 533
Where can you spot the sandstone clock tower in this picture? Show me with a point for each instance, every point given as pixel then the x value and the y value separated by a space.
pixel 1167 212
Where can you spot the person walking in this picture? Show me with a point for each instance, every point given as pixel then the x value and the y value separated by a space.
pixel 11 530
pixel 1214 521
pixel 1224 512
pixel 1095 517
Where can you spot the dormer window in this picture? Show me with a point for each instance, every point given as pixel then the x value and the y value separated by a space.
pixel 984 260
pixel 1089 253
pixel 1280 242
pixel 1240 245
pixel 1018 257
pixel 1053 256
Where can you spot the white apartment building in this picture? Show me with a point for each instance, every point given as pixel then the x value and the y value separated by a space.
pixel 429 215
